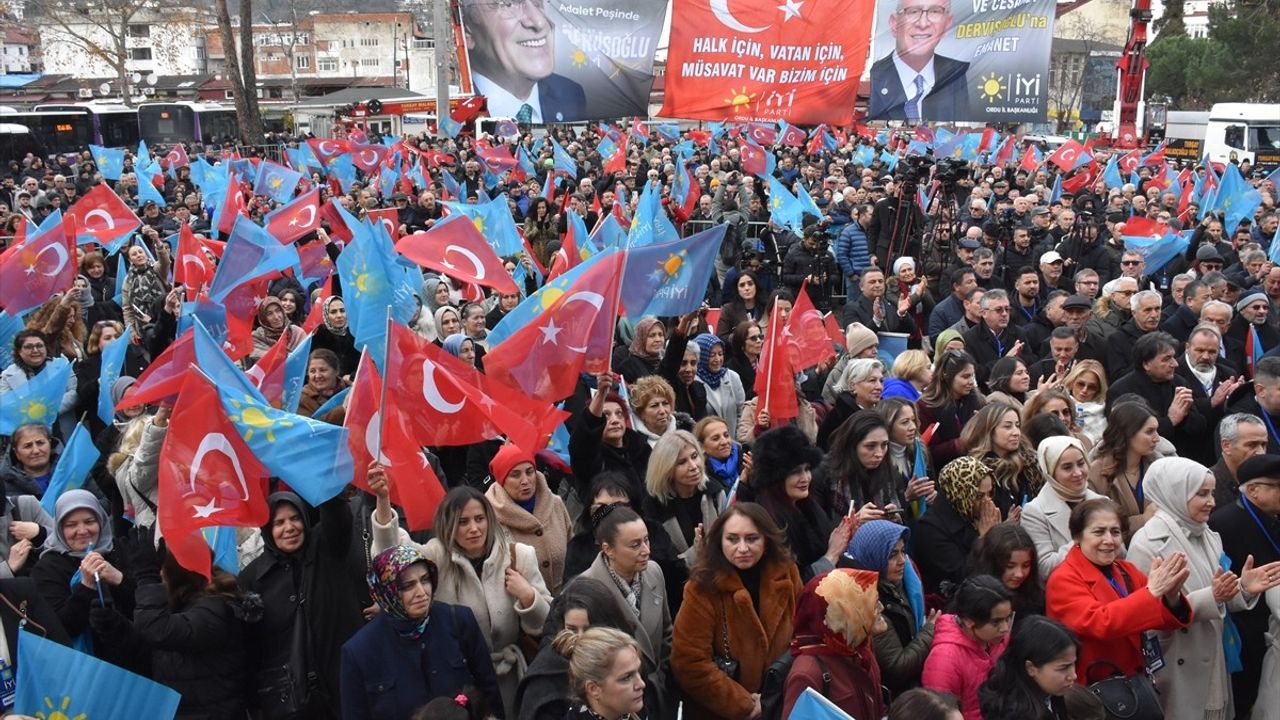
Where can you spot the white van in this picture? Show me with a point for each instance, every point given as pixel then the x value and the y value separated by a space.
pixel 1244 131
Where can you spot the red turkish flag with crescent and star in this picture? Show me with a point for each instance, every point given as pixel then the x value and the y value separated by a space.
pixel 456 248
pixel 762 60
pixel 207 476
pixel 101 215
pixel 296 219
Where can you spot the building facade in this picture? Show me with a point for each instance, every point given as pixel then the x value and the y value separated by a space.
pixel 157 39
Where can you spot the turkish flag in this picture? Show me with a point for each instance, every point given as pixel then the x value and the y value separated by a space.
pixel 1129 161
pixel 389 219
pixel 573 335
pixel 736 60
pixel 455 247
pixel 1155 158
pixel 763 134
pixel 447 402
pixel 233 206
pixel 338 229
pixel 242 310
pixel 1069 155
pixel 617 162
pixel 301 216
pixel 702 137
pixel 834 332
pixel 163 378
pixel 328 149
pixel 468 109
pixel 268 373
pixel 1029 161
pixel 498 160
pixel 176 157
pixel 368 157
pixel 101 215
pixel 358 136
pixel 43 266
pixel 793 136
pixel 207 476
pixel 1081 180
pixel 411 480
pixel 315 316
pixel 775 380
pixel 806 332
pixel 192 267
pixel 753 160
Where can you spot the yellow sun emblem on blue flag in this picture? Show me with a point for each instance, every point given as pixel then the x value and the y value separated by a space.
pixel 34 410
pixel 61 712
pixel 366 282
pixel 669 269
pixel 275 182
pixel 478 221
pixel 257 416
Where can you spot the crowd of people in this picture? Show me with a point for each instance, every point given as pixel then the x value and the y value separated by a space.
pixel 1063 495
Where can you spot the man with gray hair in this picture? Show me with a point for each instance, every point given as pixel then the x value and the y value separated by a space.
pixel 1144 308
pixel 994 337
pixel 1240 437
pixel 1117 294
pixel 1201 363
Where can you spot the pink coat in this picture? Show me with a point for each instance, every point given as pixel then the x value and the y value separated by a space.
pixel 958 664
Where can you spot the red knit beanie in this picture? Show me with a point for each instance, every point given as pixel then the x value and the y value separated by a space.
pixel 509 456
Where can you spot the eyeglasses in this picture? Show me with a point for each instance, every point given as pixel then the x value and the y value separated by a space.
pixel 936 12
pixel 755 337
pixel 509 9
pixel 1002 309
pixel 1130 262
pixel 33 346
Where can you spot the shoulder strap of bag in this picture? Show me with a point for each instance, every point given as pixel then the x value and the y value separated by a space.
pixel 724 628
pixel 826 676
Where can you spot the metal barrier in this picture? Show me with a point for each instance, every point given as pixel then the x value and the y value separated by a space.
pixel 274 153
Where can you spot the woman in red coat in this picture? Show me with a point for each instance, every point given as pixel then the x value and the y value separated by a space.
pixel 1108 602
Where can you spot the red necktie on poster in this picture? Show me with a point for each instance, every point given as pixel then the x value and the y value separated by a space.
pixel 745 60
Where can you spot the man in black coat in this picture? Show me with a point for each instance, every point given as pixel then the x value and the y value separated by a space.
pixel 1186 315
pixel 1252 309
pixel 1250 526
pixel 1145 308
pixel 887 219
pixel 1265 402
pixel 993 337
pixel 1182 417
pixel 874 311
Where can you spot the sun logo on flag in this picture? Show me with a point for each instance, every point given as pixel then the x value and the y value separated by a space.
pixel 478 221
pixel 740 98
pixel 992 87
pixel 34 410
pixel 257 418
pixel 578 58
pixel 61 712
pixel 670 268
pixel 551 294
pixel 276 182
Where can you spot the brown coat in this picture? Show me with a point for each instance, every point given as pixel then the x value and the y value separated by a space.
pixel 755 641
pixel 311 401
pixel 546 530
pixel 1104 480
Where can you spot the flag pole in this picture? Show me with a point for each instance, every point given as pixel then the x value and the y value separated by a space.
pixel 382 389
pixel 768 378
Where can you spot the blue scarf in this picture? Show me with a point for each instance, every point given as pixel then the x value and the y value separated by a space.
pixel 726 471
pixel 707 341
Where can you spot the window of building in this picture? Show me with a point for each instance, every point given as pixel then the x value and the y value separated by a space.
pixel 327 64
pixel 200 52
pixel 369 42
pixel 139 53
pixel 424 44
pixel 302 62
pixel 369 62
pixel 228 95
pixel 139 31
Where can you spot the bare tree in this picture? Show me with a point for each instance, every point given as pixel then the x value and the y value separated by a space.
pixel 100 30
pixel 1071 66
pixel 243 86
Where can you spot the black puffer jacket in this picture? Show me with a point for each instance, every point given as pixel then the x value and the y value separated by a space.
pixel 199 650
pixel 589 455
pixel 318 573
pixel 901 650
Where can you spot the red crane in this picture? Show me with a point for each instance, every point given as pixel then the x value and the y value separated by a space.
pixel 1131 78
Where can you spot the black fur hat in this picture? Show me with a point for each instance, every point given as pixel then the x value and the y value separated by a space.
pixel 777 453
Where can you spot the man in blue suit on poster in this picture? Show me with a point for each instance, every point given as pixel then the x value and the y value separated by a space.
pixel 913 83
pixel 511 46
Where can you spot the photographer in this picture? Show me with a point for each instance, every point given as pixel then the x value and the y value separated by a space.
pixel 897 222
pixel 852 253
pixel 810 260
pixel 1081 248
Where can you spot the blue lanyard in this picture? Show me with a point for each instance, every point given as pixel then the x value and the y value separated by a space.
pixel 999 346
pixel 1266 418
pixel 1120 589
pixel 1035 308
pixel 1265 533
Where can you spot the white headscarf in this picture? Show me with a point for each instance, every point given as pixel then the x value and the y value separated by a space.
pixel 1170 483
pixel 1049 453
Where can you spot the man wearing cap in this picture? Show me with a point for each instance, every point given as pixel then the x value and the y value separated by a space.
pixel 1252 309
pixel 1076 311
pixel 993 337
pixel 1041 221
pixel 1250 527
pixel 1052 266
pixel 1208 259
pixel 1186 315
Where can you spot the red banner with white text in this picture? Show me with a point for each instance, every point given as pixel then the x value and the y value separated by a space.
pixel 745 60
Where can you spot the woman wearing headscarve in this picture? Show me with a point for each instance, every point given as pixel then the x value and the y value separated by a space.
pixel 1065 465
pixel 901 648
pixel 962 513
pixel 448 321
pixel 836 617
pixel 272 323
pixel 532 514
pixel 79 565
pixel 645 352
pixel 1195 683
pixel 725 393
pixel 303 578
pixel 416 649
pixel 335 335
pixel 463 348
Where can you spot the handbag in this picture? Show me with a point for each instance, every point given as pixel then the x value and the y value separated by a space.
pixel 1126 698
pixel 284 691
pixel 725 661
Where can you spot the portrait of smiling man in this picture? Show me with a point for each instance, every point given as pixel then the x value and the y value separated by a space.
pixel 914 82
pixel 511 47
